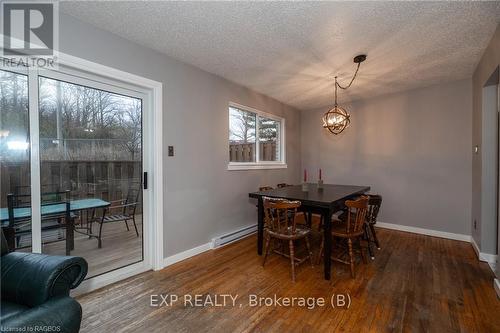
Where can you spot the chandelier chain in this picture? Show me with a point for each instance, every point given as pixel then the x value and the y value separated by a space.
pixel 337 84
pixel 336 91
pixel 350 83
pixel 337 119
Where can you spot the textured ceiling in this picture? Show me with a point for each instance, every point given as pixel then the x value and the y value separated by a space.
pixel 290 50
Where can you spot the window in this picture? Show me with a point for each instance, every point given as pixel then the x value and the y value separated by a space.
pixel 269 139
pixel 256 139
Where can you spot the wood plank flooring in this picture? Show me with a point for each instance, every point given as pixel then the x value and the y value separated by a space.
pixel 415 284
pixel 119 247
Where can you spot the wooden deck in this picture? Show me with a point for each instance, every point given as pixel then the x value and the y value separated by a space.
pixel 415 284
pixel 119 247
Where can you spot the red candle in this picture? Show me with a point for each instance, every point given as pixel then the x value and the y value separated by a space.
pixel 305 175
pixel 320 174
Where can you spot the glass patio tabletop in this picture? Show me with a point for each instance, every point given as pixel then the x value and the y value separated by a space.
pixel 75 205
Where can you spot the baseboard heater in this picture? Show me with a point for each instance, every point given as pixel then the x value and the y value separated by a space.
pixel 233 236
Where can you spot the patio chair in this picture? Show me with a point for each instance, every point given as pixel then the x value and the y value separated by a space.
pixel 55 215
pixel 122 210
pixel 20 224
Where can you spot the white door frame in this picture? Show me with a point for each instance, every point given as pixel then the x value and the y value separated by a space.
pixel 497 268
pixel 154 140
pixel 153 160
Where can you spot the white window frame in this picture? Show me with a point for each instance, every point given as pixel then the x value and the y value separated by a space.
pixel 281 164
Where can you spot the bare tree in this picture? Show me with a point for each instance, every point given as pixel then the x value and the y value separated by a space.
pixel 242 125
pixel 129 129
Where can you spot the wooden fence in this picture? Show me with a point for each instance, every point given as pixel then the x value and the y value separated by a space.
pixel 244 152
pixel 109 180
pixel 95 149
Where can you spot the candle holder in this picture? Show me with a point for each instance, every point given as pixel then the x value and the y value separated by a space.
pixel 320 184
pixel 305 187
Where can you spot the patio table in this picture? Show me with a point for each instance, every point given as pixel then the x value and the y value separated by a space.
pixel 47 210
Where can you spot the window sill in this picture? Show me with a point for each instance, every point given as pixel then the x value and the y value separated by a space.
pixel 255 166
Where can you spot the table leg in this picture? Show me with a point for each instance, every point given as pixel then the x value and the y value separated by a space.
pixel 70 236
pixel 260 226
pixel 327 229
pixel 10 237
pixel 90 221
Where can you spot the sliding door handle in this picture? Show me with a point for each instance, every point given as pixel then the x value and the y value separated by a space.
pixel 145 180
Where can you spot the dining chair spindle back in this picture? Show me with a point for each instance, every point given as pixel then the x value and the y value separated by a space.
pixel 281 225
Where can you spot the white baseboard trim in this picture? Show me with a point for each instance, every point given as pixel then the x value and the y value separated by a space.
pixel 475 247
pixel 489 258
pixel 422 231
pixel 485 257
pixel 237 235
pixel 186 254
pixel 109 278
pixel 496 285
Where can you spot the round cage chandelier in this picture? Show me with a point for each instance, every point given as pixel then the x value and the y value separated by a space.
pixel 337 119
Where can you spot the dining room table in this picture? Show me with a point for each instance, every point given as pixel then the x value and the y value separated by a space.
pixel 76 205
pixel 324 200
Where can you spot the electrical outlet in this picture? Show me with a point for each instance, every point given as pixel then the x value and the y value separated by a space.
pixel 170 150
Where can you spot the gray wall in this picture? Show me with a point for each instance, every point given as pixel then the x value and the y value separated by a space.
pixel 412 147
pixel 486 67
pixel 201 198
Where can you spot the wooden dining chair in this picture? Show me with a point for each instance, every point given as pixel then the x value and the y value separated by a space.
pixel 351 230
pixel 370 236
pixel 280 225
pixel 374 204
pixel 307 216
pixel 265 188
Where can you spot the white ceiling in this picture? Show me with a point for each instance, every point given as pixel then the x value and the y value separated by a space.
pixel 289 50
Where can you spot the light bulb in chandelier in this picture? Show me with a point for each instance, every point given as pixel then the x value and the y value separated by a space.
pixel 336 120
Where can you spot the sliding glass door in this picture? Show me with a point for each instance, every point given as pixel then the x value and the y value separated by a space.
pixel 15 176
pixel 89 137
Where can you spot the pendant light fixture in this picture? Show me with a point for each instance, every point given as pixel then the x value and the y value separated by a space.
pixel 337 119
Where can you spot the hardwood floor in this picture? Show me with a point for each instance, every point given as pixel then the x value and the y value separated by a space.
pixel 415 284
